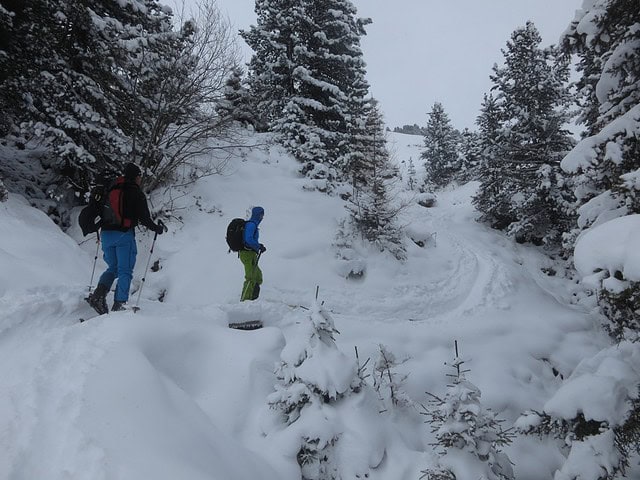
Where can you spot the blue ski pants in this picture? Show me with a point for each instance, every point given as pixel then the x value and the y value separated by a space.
pixel 119 252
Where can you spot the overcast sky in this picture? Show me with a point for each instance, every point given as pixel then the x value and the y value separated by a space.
pixel 422 51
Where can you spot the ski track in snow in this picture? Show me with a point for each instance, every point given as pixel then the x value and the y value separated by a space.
pixel 482 280
pixel 475 278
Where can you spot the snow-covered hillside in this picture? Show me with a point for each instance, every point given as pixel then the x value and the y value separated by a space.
pixel 172 393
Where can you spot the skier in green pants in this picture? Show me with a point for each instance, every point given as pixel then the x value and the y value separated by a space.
pixel 250 254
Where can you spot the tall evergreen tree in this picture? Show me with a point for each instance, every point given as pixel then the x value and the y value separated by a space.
pixel 325 112
pixel 605 165
pixel 440 149
pixel 92 84
pixel 532 98
pixel 273 40
pixel 370 205
pixel 468 156
pixel 6 32
pixel 68 82
pixel 605 176
pixel 492 196
pixel 237 104
pixel 309 74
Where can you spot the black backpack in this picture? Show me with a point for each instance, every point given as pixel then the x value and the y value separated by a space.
pixel 90 218
pixel 104 207
pixel 235 234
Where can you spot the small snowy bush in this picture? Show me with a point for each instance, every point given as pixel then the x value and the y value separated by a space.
pixel 350 263
pixel 469 434
pixel 387 381
pixel 622 309
pixel 317 391
pixel 595 414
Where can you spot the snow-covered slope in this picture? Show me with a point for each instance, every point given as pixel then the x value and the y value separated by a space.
pixel 171 392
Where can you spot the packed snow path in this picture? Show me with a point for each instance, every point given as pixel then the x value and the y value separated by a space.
pixel 459 272
pixel 171 392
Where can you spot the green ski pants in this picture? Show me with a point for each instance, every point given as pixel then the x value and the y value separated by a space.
pixel 252 275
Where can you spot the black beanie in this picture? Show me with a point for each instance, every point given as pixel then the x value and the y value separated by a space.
pixel 131 171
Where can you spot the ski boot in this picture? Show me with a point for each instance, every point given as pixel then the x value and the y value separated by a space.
pixel 98 299
pixel 118 306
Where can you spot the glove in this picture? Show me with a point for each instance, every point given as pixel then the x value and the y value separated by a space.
pixel 262 248
pixel 159 229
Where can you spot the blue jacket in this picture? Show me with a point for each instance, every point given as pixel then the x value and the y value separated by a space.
pixel 251 232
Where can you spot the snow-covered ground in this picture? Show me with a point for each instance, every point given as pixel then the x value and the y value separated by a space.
pixel 172 393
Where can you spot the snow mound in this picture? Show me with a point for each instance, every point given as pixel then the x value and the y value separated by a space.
pixel 612 247
pixel 37 250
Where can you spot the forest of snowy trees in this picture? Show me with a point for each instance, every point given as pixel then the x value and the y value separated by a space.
pixel 89 85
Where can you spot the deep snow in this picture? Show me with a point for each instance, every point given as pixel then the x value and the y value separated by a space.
pixel 171 392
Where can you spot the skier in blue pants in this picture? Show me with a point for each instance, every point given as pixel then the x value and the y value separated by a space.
pixel 124 209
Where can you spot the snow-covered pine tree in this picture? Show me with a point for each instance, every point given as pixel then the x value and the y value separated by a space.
pixel 236 103
pixel 440 149
pixel 492 198
pixel 468 156
pixel 595 416
pixel 273 39
pixel 93 84
pixel 412 181
pixel 351 261
pixel 6 26
pixel 387 381
pixel 67 84
pixel 606 178
pixel 313 376
pixel 308 76
pixel 465 429
pixel 372 177
pixel 50 93
pixel 531 95
pixel 325 113
pixel 604 165
pixel 157 66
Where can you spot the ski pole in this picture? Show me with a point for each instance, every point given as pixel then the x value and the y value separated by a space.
pixel 255 267
pixel 95 260
pixel 136 307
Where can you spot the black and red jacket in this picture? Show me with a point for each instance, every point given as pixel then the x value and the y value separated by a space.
pixel 129 204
